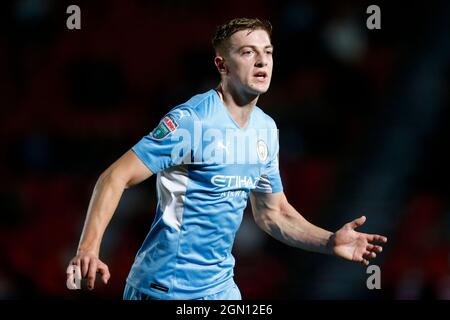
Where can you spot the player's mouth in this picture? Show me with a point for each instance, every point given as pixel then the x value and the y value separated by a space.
pixel 261 76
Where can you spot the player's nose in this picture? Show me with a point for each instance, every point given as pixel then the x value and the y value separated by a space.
pixel 261 61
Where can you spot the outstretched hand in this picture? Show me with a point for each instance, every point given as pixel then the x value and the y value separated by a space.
pixel 355 246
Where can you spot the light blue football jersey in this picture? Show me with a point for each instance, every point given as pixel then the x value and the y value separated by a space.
pixel 206 166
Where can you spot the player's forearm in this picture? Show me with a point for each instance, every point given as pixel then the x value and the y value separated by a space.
pixel 291 228
pixel 105 198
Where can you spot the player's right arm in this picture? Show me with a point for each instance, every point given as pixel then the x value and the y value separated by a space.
pixel 127 171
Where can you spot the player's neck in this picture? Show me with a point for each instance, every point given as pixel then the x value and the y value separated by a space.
pixel 240 106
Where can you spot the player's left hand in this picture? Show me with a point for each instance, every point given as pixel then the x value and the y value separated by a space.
pixel 355 246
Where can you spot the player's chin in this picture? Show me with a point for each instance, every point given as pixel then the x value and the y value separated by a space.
pixel 260 88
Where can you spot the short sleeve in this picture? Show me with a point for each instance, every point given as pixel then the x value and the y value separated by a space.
pixel 171 143
pixel 270 179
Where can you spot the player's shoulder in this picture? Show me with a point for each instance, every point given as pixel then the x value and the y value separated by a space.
pixel 264 119
pixel 199 106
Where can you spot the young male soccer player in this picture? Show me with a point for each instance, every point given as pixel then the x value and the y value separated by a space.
pixel 204 179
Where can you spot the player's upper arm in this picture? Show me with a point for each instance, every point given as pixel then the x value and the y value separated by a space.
pixel 266 205
pixel 128 169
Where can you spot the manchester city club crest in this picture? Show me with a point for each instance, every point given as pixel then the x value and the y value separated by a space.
pixel 261 150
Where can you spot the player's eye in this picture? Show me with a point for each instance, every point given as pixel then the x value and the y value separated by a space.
pixel 247 52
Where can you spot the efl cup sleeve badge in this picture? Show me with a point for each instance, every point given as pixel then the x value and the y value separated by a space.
pixel 167 125
pixel 262 150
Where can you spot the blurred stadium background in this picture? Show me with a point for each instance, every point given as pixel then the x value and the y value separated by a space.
pixel 364 129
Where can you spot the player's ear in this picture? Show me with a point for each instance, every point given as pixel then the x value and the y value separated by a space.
pixel 219 61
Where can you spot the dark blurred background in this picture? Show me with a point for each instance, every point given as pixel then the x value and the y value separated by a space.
pixel 364 129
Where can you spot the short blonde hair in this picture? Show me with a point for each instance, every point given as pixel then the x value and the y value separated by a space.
pixel 225 31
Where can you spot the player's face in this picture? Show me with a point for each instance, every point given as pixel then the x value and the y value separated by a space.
pixel 249 61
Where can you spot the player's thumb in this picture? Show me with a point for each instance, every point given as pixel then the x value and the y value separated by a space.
pixel 358 222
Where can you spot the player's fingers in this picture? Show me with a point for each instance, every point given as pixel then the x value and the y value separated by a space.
pixel 365 262
pixel 357 222
pixel 84 266
pixel 91 274
pixel 376 238
pixel 374 248
pixel 104 271
pixel 370 255
pixel 76 262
